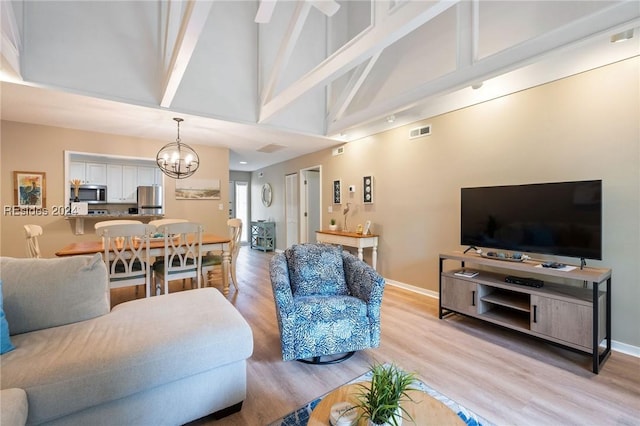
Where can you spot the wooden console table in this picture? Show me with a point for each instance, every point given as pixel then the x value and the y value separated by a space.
pixel 351 239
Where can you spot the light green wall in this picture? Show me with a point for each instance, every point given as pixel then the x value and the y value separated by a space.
pixel 583 127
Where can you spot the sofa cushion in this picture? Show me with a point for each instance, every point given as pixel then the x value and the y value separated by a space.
pixel 5 340
pixel 313 308
pixel 316 269
pixel 14 407
pixel 43 293
pixel 139 345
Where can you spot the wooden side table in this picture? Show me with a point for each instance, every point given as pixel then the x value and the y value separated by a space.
pixel 424 409
pixel 351 239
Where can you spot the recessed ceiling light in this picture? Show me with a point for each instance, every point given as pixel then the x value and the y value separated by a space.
pixel 391 118
pixel 243 162
pixel 476 86
pixel 623 36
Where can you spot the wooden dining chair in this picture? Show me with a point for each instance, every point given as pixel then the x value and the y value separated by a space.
pixel 210 261
pixel 126 254
pixel 32 232
pixel 159 222
pixel 103 223
pixel 182 254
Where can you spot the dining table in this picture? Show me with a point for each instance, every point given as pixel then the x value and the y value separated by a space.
pixel 210 242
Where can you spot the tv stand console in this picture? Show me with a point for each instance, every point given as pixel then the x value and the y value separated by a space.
pixel 572 316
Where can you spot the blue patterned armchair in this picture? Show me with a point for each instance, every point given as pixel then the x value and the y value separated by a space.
pixel 327 302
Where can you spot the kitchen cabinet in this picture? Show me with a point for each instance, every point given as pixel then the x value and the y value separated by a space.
pixel 122 183
pixel 88 173
pixel 148 176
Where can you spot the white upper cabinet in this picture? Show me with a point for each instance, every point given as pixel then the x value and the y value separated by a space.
pixel 122 182
pixel 88 173
pixel 77 171
pixel 149 175
pixel 96 173
pixel 122 176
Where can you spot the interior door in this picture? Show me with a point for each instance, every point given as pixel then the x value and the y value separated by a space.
pixel 310 211
pixel 291 208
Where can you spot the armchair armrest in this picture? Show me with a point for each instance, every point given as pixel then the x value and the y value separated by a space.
pixel 279 274
pixel 363 281
pixel 285 309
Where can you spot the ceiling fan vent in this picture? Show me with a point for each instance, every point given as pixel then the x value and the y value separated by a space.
pixel 418 132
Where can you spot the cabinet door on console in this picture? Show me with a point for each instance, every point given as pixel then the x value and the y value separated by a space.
pixel 459 295
pixel 566 321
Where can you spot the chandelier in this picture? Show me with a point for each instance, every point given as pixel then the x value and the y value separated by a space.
pixel 177 160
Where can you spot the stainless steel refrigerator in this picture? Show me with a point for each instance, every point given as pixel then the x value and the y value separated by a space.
pixel 150 200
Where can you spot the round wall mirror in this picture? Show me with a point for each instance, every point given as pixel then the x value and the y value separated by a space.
pixel 266 194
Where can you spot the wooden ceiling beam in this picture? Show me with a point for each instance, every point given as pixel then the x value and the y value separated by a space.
pixel 11 43
pixel 499 63
pixel 292 34
pixel 383 34
pixel 265 11
pixel 195 16
pixel 354 84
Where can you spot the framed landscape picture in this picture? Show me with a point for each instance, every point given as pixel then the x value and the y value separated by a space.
pixel 198 189
pixel 29 189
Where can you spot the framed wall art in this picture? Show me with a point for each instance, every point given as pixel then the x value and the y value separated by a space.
pixel 367 189
pixel 198 189
pixel 29 189
pixel 337 191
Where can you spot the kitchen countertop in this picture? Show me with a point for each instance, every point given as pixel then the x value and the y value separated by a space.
pixel 113 216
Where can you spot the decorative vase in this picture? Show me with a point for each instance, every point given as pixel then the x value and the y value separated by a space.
pixel 398 418
pixel 333 227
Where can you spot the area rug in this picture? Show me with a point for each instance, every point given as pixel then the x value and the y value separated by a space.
pixel 300 417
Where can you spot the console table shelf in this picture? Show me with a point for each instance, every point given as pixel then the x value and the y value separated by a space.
pixel 572 316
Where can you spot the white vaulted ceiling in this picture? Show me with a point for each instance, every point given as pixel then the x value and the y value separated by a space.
pixel 316 73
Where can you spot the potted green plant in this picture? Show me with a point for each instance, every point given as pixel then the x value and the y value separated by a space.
pixel 381 401
pixel 332 225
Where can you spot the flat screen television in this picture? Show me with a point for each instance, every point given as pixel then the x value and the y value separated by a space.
pixel 561 218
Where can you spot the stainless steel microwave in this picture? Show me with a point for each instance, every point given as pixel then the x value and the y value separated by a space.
pixel 91 194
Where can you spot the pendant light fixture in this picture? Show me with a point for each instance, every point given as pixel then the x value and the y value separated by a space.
pixel 176 159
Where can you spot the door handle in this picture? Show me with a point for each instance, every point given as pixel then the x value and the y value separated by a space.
pixel 535 313
pixel 473 298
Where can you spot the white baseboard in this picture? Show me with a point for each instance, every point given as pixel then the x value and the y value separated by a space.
pixel 621 347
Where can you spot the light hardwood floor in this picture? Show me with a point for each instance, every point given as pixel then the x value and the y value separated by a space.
pixel 504 377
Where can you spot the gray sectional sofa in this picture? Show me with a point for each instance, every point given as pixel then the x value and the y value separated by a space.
pixel 161 360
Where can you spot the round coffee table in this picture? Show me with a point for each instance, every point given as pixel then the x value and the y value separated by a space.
pixel 424 409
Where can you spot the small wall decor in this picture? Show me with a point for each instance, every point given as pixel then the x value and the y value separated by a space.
pixel 267 194
pixel 367 189
pixel 337 191
pixel 29 189
pixel 198 189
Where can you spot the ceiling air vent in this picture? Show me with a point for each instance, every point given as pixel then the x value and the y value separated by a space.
pixel 338 151
pixel 271 148
pixel 418 132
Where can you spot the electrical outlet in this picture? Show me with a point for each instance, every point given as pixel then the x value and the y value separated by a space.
pixel 330 209
pixel 220 206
